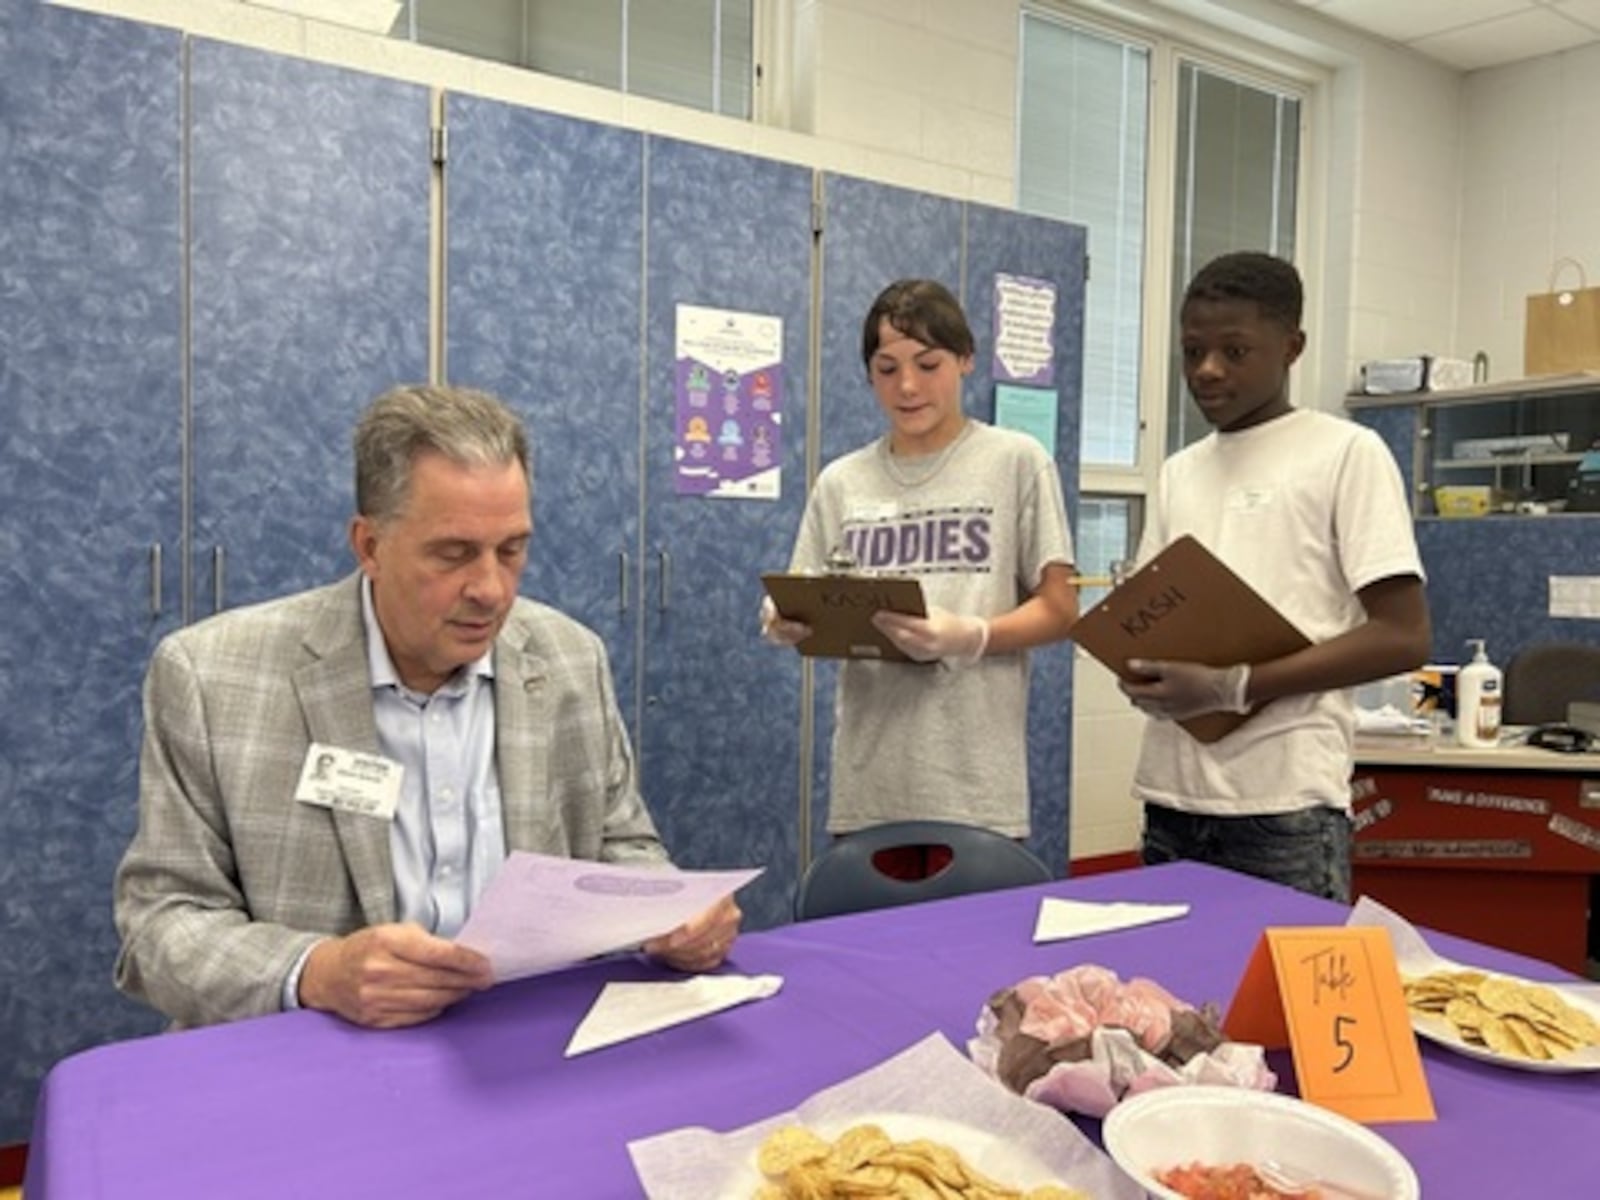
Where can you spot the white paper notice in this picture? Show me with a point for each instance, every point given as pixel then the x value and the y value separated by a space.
pixel 1060 919
pixel 540 913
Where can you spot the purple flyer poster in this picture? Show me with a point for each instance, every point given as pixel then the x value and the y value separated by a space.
pixel 1024 330
pixel 730 404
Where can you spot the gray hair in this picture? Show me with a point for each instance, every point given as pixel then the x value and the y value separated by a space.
pixel 467 427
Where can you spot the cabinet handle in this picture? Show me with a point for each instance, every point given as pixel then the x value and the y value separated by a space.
pixel 665 560
pixel 622 581
pixel 218 564
pixel 155 579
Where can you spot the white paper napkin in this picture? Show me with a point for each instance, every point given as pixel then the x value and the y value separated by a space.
pixel 1060 919
pixel 630 1010
pixel 929 1090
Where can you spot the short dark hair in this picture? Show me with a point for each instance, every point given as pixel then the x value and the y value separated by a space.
pixel 920 308
pixel 468 427
pixel 1270 283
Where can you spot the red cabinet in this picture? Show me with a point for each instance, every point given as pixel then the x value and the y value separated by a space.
pixel 1495 845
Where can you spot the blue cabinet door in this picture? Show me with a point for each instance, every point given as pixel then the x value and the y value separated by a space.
pixel 545 229
pixel 719 737
pixel 999 241
pixel 90 386
pixel 872 234
pixel 309 293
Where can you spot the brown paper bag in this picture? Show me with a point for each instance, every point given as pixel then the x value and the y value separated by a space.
pixel 1562 333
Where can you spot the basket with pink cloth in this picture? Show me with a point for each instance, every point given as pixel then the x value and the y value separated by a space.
pixel 1082 1039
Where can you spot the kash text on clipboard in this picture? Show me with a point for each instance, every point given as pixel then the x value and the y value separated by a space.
pixel 1186 605
pixel 839 610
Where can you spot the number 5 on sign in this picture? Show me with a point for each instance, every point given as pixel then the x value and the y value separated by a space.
pixel 1333 996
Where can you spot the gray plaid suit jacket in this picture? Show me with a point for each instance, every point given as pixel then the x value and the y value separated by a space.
pixel 229 879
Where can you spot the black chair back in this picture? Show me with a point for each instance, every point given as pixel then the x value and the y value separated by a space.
pixel 1542 679
pixel 845 879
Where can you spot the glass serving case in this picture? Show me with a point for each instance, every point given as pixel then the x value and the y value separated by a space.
pixel 1524 446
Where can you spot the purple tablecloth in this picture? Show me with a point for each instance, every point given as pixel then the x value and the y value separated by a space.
pixel 481 1102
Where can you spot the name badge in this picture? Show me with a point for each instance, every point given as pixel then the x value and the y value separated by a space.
pixel 1248 499
pixel 347 781
pixel 871 513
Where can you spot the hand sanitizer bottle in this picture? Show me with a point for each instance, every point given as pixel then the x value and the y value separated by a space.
pixel 1478 700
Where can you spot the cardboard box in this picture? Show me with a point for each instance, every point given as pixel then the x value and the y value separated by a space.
pixel 1510 447
pixel 1466 500
pixel 1423 373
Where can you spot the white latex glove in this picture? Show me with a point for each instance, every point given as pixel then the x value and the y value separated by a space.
pixel 951 637
pixel 1176 691
pixel 779 630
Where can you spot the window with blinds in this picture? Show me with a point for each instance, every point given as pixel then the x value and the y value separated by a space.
pixel 1228 179
pixel 697 53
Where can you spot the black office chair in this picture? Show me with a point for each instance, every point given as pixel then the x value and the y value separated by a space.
pixel 845 879
pixel 1542 679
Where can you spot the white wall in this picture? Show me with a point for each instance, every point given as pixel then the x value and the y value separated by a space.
pixel 935 82
pixel 922 93
pixel 1530 190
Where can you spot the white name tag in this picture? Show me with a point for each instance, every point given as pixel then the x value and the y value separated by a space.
pixel 869 513
pixel 346 781
pixel 1248 499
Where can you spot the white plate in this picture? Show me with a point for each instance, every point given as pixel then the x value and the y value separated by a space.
pixel 1436 1029
pixel 1005 1163
pixel 1218 1126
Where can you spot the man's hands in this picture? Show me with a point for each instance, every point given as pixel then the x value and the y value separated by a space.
pixel 389 976
pixel 956 639
pixel 1176 691
pixel 386 976
pixel 779 630
pixel 702 942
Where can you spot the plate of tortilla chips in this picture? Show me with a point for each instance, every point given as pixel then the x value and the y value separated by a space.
pixel 893 1155
pixel 1505 1019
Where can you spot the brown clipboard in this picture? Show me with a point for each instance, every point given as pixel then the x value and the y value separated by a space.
pixel 839 610
pixel 1186 605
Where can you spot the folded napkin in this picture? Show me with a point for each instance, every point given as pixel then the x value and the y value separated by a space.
pixel 1060 919
pixel 1390 720
pixel 630 1010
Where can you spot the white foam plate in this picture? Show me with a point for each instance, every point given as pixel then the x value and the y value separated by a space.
pixel 1436 1029
pixel 1219 1126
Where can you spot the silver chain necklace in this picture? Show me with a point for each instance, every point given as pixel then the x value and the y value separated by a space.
pixel 915 470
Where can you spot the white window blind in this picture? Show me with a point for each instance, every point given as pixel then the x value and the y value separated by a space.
pixel 1083 130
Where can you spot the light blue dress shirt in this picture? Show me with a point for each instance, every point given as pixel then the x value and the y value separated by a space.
pixel 448 835
pixel 447 838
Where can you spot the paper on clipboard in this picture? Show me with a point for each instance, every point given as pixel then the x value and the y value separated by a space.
pixel 839 610
pixel 1186 605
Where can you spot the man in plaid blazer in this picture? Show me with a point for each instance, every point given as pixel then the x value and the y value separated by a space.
pixel 237 898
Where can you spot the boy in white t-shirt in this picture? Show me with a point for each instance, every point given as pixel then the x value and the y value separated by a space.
pixel 1311 511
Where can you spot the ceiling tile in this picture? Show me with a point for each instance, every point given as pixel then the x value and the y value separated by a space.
pixel 1586 12
pixel 1507 40
pixel 1419 18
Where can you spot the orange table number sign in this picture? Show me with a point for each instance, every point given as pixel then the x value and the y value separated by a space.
pixel 1333 996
